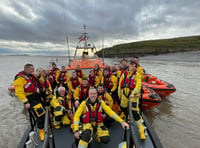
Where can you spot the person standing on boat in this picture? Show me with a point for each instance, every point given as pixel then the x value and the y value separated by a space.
pixel 109 81
pixel 62 107
pixel 92 120
pixel 97 71
pixel 125 65
pixel 129 89
pixel 63 78
pixel 81 92
pixel 46 91
pixel 27 91
pixel 50 77
pixel 140 70
pixel 120 71
pixel 79 72
pixel 74 82
pixel 93 79
pixel 55 71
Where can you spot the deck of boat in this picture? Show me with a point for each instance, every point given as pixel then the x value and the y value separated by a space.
pixel 64 137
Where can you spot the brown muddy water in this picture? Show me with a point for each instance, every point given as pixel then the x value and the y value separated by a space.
pixel 176 120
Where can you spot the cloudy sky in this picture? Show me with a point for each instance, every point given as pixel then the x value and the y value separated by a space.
pixel 42 25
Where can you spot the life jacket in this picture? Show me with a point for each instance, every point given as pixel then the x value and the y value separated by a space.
pixel 84 94
pixel 44 84
pixel 107 82
pixel 130 83
pixel 79 73
pixel 92 80
pixel 96 72
pixel 54 72
pixel 121 72
pixel 75 82
pixel 62 77
pixel 32 84
pixel 93 116
pixel 50 79
pixel 63 100
pixel 103 96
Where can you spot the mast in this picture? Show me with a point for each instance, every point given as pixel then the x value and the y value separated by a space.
pixel 68 48
pixel 86 45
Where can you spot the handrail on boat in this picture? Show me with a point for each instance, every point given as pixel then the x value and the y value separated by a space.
pixel 133 128
pixel 46 131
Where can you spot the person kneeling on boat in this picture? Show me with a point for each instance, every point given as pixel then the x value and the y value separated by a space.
pixel 62 108
pixel 90 113
pixel 27 91
pixel 129 89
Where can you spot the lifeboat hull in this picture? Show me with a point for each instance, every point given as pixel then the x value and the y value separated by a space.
pixel 149 98
pixel 85 63
pixel 161 87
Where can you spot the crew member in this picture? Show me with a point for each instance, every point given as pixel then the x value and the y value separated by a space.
pixel 120 71
pixel 55 72
pixel 92 120
pixel 109 81
pixel 81 92
pixel 62 108
pixel 62 78
pixel 46 92
pixel 104 95
pixel 129 88
pixel 97 71
pixel 27 90
pixel 140 70
pixel 79 72
pixel 124 62
pixel 93 79
pixel 74 82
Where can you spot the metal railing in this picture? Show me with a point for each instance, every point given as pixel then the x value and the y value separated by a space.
pixel 48 132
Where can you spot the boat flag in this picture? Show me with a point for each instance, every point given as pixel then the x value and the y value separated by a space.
pixel 81 38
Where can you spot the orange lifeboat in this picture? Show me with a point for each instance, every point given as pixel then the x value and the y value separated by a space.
pixel 85 63
pixel 149 98
pixel 86 47
pixel 161 87
pixel 149 77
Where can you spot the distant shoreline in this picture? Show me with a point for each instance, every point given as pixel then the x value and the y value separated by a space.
pixel 152 47
pixel 127 55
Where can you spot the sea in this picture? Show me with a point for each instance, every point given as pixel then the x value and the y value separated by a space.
pixel 176 120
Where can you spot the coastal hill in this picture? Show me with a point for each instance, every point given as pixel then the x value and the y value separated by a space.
pixel 153 47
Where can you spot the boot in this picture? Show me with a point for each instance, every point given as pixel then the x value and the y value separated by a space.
pixel 65 120
pixel 57 126
pixel 41 131
pixel 82 144
pixel 141 129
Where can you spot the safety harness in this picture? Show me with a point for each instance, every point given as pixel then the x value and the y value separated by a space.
pixel 93 116
pixel 75 82
pixel 128 83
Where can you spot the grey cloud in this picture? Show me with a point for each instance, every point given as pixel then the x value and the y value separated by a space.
pixel 116 20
